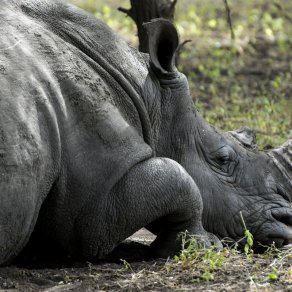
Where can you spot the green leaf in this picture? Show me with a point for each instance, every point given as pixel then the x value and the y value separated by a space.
pixel 273 276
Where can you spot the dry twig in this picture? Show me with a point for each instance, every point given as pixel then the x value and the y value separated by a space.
pixel 229 20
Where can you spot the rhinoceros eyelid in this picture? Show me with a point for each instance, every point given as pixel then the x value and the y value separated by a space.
pixel 224 160
pixel 217 150
pixel 224 153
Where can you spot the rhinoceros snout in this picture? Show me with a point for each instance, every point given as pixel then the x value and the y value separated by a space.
pixel 275 230
pixel 283 238
pixel 279 238
pixel 283 231
pixel 283 215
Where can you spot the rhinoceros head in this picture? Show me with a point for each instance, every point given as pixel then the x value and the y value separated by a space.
pixel 237 182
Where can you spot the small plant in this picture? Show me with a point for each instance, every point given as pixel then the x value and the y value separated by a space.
pixel 66 279
pixel 271 252
pixel 189 250
pixel 273 275
pixel 208 276
pixel 206 261
pixel 127 266
pixel 90 267
pixel 248 246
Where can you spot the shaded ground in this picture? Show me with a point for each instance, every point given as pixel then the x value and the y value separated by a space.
pixel 212 271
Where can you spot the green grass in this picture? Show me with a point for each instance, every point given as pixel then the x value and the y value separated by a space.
pixel 246 81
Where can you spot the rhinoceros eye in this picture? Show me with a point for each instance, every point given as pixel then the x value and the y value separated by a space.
pixel 223 160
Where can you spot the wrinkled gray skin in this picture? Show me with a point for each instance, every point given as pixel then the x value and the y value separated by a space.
pixel 97 141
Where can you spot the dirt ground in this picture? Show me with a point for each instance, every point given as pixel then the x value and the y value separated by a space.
pixel 239 273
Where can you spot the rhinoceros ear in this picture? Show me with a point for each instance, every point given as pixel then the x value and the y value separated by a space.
pixel 163 42
pixel 245 136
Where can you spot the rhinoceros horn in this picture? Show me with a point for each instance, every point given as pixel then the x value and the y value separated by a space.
pixel 282 157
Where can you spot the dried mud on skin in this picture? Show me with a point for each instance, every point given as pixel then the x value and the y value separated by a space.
pixel 239 273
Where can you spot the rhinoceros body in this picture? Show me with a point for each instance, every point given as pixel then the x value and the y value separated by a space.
pixel 98 140
pixel 75 135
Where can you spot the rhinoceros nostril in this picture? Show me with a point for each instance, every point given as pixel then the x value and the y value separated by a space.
pixel 284 236
pixel 284 216
pixel 287 241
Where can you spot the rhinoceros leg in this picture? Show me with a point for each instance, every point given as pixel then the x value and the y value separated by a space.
pixel 153 189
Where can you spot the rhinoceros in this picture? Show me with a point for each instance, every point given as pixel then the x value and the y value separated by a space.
pixel 98 140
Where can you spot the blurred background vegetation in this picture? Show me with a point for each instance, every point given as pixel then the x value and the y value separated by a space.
pixel 246 81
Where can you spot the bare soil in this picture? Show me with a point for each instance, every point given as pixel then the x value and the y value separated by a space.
pixel 239 273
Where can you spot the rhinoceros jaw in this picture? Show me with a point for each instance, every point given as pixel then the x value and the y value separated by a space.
pixel 282 157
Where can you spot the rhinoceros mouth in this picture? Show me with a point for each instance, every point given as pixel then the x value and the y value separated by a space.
pixel 275 232
pixel 275 229
pixel 268 224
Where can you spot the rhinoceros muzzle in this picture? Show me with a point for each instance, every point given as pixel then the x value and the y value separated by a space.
pixel 283 217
